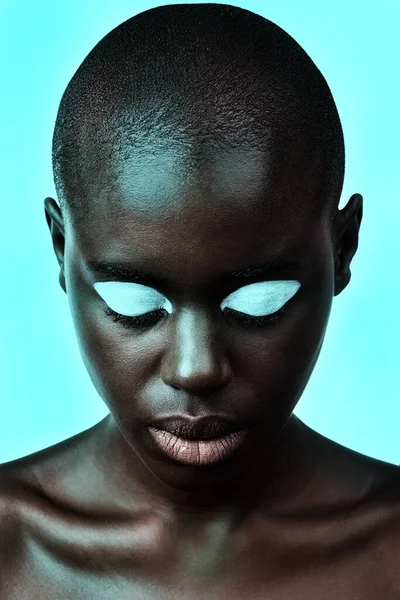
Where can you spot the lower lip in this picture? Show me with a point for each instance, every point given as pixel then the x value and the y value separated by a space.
pixel 197 452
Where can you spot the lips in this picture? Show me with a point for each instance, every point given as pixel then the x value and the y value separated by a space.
pixel 198 452
pixel 203 428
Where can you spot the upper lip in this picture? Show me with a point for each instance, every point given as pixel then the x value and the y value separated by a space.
pixel 197 428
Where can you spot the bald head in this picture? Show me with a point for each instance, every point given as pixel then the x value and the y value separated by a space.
pixel 180 83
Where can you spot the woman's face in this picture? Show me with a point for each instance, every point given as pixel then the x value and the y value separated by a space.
pixel 185 241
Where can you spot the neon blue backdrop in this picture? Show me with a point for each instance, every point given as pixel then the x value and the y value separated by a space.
pixel 46 395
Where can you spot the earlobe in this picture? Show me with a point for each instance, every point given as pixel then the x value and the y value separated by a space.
pixel 55 223
pixel 346 232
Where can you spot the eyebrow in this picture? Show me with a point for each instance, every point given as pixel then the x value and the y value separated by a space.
pixel 268 268
pixel 122 271
pixel 125 272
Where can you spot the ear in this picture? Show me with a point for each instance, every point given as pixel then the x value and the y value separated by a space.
pixel 55 222
pixel 346 228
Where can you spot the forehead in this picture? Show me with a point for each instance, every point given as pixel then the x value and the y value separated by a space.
pixel 221 209
pixel 169 179
pixel 164 173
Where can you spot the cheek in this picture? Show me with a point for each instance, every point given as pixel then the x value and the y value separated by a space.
pixel 118 361
pixel 279 361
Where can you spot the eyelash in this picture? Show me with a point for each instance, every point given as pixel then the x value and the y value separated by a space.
pixel 145 320
pixel 254 321
pixel 154 316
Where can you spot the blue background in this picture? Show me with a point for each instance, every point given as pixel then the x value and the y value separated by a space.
pixel 46 395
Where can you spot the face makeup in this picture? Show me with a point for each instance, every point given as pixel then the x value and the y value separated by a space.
pixel 131 299
pixel 197 452
pixel 256 299
pixel 261 298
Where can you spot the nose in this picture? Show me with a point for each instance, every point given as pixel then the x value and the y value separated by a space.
pixel 194 360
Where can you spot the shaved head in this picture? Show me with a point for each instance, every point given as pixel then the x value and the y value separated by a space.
pixel 179 84
pixel 199 160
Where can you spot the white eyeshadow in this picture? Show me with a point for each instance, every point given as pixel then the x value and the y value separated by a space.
pixel 261 298
pixel 131 299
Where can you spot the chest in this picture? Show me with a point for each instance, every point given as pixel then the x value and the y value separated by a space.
pixel 286 564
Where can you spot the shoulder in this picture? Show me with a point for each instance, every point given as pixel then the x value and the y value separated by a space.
pixel 20 488
pixel 32 490
pixel 54 480
pixel 349 475
pixel 352 509
pixel 17 492
pixel 24 481
pixel 382 531
pixel 8 511
pixel 17 483
pixel 363 495
pixel 26 512
pixel 350 489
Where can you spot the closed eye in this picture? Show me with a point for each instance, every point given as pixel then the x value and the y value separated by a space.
pixel 260 299
pixel 134 304
pixel 131 299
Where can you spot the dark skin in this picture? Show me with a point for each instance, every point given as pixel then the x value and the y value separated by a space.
pixel 291 514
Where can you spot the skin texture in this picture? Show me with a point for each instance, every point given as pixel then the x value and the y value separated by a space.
pixel 292 514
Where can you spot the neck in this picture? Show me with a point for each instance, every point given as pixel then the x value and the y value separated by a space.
pixel 279 473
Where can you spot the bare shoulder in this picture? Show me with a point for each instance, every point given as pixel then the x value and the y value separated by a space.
pixel 18 491
pixel 381 515
pixel 11 490
pixel 343 479
pixel 359 497
pixel 349 475
pixel 26 481
pixel 45 470
pixel 19 484
pixel 348 516
pixel 383 502
pixel 33 490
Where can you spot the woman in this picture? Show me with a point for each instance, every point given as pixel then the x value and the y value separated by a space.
pixel 198 159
